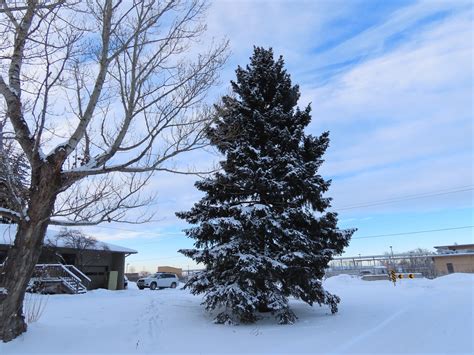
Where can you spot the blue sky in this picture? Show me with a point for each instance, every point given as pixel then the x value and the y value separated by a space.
pixel 393 83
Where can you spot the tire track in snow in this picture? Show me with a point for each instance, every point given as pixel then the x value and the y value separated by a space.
pixel 148 327
pixel 153 318
pixel 362 337
pixel 371 331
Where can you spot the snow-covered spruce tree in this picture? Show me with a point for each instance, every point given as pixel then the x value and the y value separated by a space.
pixel 262 231
pixel 13 177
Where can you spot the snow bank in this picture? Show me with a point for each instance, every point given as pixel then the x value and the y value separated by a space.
pixel 415 316
pixel 342 279
pixel 454 280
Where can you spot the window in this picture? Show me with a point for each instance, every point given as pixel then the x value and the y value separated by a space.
pixel 450 268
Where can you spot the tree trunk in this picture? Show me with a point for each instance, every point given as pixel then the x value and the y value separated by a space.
pixel 260 282
pixel 263 307
pixel 24 254
pixel 16 275
pixel 262 301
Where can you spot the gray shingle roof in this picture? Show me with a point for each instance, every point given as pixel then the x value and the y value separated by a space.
pixel 7 236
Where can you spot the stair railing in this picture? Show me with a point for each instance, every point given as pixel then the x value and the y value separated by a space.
pixel 69 275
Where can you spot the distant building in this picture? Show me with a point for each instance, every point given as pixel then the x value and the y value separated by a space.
pixel 170 269
pixel 103 263
pixel 454 258
pixel 132 276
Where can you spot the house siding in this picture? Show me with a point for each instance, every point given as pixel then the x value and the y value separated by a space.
pixel 460 263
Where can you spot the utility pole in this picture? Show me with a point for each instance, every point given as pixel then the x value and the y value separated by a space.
pixel 391 259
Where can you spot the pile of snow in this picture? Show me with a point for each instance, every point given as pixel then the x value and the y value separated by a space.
pixel 415 316
pixel 453 280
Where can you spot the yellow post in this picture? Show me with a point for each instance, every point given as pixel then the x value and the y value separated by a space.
pixel 393 277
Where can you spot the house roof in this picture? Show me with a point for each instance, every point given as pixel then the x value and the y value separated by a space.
pixel 7 236
pixel 458 246
pixel 451 255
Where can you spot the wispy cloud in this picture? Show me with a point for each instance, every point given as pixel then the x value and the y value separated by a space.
pixel 394 27
pixel 392 81
pixel 403 117
pixel 395 94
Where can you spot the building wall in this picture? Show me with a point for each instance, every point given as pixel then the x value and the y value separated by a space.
pixel 97 265
pixel 118 264
pixel 94 264
pixel 170 269
pixel 461 263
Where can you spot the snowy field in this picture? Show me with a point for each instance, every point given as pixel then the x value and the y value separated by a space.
pixel 416 316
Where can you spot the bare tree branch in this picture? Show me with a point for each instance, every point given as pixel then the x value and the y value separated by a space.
pixel 130 91
pixel 113 90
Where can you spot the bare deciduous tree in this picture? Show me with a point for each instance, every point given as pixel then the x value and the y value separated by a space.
pixel 105 90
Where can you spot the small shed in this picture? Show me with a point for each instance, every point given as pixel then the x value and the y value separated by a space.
pixel 454 258
pixel 103 263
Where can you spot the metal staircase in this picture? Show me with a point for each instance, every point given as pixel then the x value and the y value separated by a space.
pixel 58 278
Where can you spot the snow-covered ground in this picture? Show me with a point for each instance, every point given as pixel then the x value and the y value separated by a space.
pixel 416 316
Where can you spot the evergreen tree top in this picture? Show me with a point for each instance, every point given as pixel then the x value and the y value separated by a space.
pixel 264 108
pixel 265 81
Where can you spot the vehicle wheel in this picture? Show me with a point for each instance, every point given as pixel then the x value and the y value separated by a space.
pixel 173 285
pixel 153 286
pixel 141 288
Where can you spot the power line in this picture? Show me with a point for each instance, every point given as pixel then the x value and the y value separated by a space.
pixel 414 232
pixel 407 197
pixel 348 207
pixel 365 237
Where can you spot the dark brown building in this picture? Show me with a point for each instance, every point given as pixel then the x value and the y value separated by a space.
pixel 103 263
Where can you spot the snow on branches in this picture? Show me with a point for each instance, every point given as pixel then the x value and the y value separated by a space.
pixel 262 229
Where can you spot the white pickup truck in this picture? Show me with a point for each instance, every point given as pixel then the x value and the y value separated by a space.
pixel 158 280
